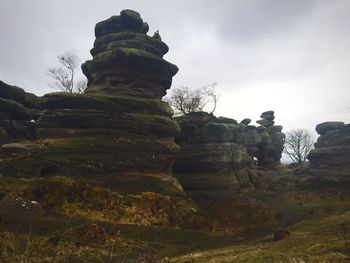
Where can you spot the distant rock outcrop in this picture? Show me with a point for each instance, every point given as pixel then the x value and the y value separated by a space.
pixel 331 156
pixel 272 140
pixel 119 130
pixel 216 155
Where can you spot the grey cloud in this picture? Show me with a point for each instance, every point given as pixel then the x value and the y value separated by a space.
pixel 244 45
pixel 253 19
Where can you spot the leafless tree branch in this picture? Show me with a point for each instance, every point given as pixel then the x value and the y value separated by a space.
pixel 185 100
pixel 63 76
pixel 298 144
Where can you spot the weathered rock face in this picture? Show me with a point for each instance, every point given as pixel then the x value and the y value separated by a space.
pixel 120 128
pixel 272 140
pixel 18 112
pixel 126 61
pixel 331 155
pixel 214 159
pixel 216 154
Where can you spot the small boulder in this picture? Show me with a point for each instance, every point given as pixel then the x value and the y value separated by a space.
pixel 268 115
pixel 246 121
pixel 131 19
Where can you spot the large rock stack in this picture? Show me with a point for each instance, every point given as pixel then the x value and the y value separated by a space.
pixel 272 140
pixel 331 156
pixel 214 160
pixel 217 155
pixel 127 62
pixel 119 130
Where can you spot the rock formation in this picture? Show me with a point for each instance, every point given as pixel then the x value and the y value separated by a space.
pixel 119 128
pixel 18 112
pixel 272 140
pixel 216 155
pixel 331 155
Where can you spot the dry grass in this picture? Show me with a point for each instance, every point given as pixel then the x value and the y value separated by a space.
pixel 89 223
pixel 316 240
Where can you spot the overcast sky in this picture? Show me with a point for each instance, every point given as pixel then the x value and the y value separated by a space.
pixel 290 56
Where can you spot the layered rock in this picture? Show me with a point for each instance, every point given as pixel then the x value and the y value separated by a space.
pixel 217 155
pixel 18 112
pixel 272 140
pixel 214 159
pixel 331 155
pixel 119 130
pixel 126 61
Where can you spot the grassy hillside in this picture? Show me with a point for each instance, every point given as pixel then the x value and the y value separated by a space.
pixel 60 219
pixel 316 240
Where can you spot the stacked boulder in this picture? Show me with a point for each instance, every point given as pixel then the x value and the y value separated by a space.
pixel 331 156
pixel 272 140
pixel 214 159
pixel 126 62
pixel 119 130
pixel 216 156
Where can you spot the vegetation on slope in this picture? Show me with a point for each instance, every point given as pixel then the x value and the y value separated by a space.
pixel 74 220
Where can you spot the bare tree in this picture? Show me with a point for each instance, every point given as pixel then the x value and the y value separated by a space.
pixel 80 86
pixel 298 144
pixel 185 100
pixel 63 76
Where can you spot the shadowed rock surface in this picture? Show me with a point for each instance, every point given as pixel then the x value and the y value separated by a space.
pixel 18 111
pixel 216 154
pixel 119 128
pixel 332 150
